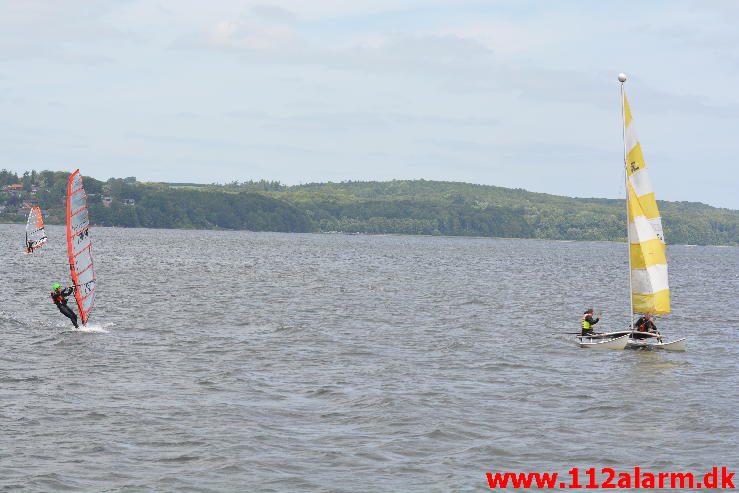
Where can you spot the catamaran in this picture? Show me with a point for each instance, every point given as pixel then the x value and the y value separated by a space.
pixel 35 234
pixel 79 246
pixel 650 292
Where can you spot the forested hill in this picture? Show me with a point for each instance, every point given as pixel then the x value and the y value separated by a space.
pixel 405 206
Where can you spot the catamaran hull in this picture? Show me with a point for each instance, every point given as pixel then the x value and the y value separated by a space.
pixel 601 343
pixel 676 345
pixel 606 335
pixel 642 340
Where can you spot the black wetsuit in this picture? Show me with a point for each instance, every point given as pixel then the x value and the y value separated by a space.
pixel 60 300
pixel 645 325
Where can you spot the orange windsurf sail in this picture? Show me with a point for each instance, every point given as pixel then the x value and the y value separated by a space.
pixel 79 246
pixel 35 234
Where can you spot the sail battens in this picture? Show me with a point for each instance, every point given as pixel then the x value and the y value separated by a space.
pixel 89 266
pixel 83 261
pixel 80 252
pixel 649 281
pixel 79 210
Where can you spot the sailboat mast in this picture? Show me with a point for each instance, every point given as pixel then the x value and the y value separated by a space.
pixel 622 80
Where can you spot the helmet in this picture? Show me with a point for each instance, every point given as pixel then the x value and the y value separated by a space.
pixel 55 286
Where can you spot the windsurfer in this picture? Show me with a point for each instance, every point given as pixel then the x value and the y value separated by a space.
pixel 29 246
pixel 59 296
pixel 587 322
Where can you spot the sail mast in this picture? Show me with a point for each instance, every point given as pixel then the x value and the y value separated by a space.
pixel 622 80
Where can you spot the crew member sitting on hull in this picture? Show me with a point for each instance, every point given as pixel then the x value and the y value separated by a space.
pixel 59 296
pixel 646 324
pixel 587 322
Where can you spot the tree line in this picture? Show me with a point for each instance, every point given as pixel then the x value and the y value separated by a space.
pixel 400 206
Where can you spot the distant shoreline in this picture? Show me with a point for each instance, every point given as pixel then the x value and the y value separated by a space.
pixel 404 207
pixel 329 233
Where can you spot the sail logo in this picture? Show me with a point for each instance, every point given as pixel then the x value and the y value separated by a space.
pixel 82 236
pixel 87 287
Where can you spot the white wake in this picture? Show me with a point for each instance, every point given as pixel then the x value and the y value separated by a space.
pixel 92 328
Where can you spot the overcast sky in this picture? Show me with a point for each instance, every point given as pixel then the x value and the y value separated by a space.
pixel 512 93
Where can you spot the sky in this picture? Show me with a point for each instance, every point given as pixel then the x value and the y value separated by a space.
pixel 520 94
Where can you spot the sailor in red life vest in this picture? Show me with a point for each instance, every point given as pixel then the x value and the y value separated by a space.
pixel 587 321
pixel 59 297
pixel 645 324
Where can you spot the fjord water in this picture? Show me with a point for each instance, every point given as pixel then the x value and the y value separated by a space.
pixel 238 361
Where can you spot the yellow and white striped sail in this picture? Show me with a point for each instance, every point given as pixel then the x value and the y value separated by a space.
pixel 649 289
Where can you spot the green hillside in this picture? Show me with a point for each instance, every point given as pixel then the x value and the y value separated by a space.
pixel 404 206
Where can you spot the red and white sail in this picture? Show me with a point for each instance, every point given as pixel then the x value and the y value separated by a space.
pixel 35 234
pixel 79 246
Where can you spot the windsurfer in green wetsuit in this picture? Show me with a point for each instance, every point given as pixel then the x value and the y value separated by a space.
pixel 59 296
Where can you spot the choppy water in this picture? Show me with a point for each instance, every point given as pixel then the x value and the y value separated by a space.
pixel 236 361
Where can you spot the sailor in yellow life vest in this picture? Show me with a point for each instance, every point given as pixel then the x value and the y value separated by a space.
pixel 587 322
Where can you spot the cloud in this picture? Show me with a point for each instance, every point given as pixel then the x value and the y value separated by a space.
pixel 65 32
pixel 687 104
pixel 462 59
pixel 180 140
pixel 187 115
pixel 381 54
pixel 272 13
pixel 511 39
pixel 246 114
pixel 371 87
pixel 359 120
pixel 249 35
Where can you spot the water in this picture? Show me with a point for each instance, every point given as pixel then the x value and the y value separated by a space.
pixel 236 361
